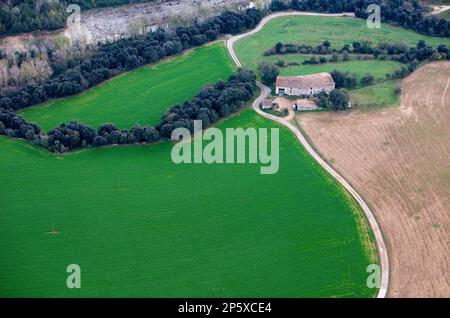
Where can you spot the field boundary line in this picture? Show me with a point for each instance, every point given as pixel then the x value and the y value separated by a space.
pixel 265 92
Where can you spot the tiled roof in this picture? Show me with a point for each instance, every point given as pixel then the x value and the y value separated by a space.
pixel 306 81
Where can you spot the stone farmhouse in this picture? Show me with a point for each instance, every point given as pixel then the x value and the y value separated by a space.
pixel 306 86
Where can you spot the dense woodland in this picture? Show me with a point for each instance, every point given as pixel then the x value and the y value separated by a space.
pixel 211 104
pixel 113 58
pixel 408 14
pixel 18 16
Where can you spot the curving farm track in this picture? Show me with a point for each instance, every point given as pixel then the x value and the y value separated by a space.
pixel 265 92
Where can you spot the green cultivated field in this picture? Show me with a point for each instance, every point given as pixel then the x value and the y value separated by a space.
pixel 375 95
pixel 313 30
pixel 140 96
pixel 338 30
pixel 382 93
pixel 360 68
pixel 139 225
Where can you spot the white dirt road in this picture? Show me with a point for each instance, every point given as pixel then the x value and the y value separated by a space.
pixel 265 92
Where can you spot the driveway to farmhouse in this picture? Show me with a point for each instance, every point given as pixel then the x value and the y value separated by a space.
pixel 265 92
pixel 285 103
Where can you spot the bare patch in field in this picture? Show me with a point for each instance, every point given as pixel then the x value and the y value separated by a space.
pixel 399 161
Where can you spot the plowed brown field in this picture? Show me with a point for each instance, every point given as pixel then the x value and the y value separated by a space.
pixel 398 159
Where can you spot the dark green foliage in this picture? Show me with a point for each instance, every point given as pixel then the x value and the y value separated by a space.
pixel 31 15
pixel 281 48
pixel 339 99
pixel 14 125
pixel 344 79
pixel 398 12
pixel 367 79
pixel 125 54
pixel 278 5
pixel 395 51
pixel 268 73
pixel 336 100
pixel 281 63
pixel 323 100
pixel 212 103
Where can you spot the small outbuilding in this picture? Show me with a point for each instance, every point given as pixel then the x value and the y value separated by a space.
pixel 267 104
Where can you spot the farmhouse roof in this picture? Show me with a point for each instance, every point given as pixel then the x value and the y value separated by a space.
pixel 267 102
pixel 306 81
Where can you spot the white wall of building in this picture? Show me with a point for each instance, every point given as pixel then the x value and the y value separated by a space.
pixel 293 91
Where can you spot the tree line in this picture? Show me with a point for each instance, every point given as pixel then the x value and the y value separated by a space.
pixel 29 15
pixel 407 14
pixel 280 49
pixel 337 99
pixel 19 16
pixel 395 50
pixel 412 56
pixel 211 104
pixel 112 58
